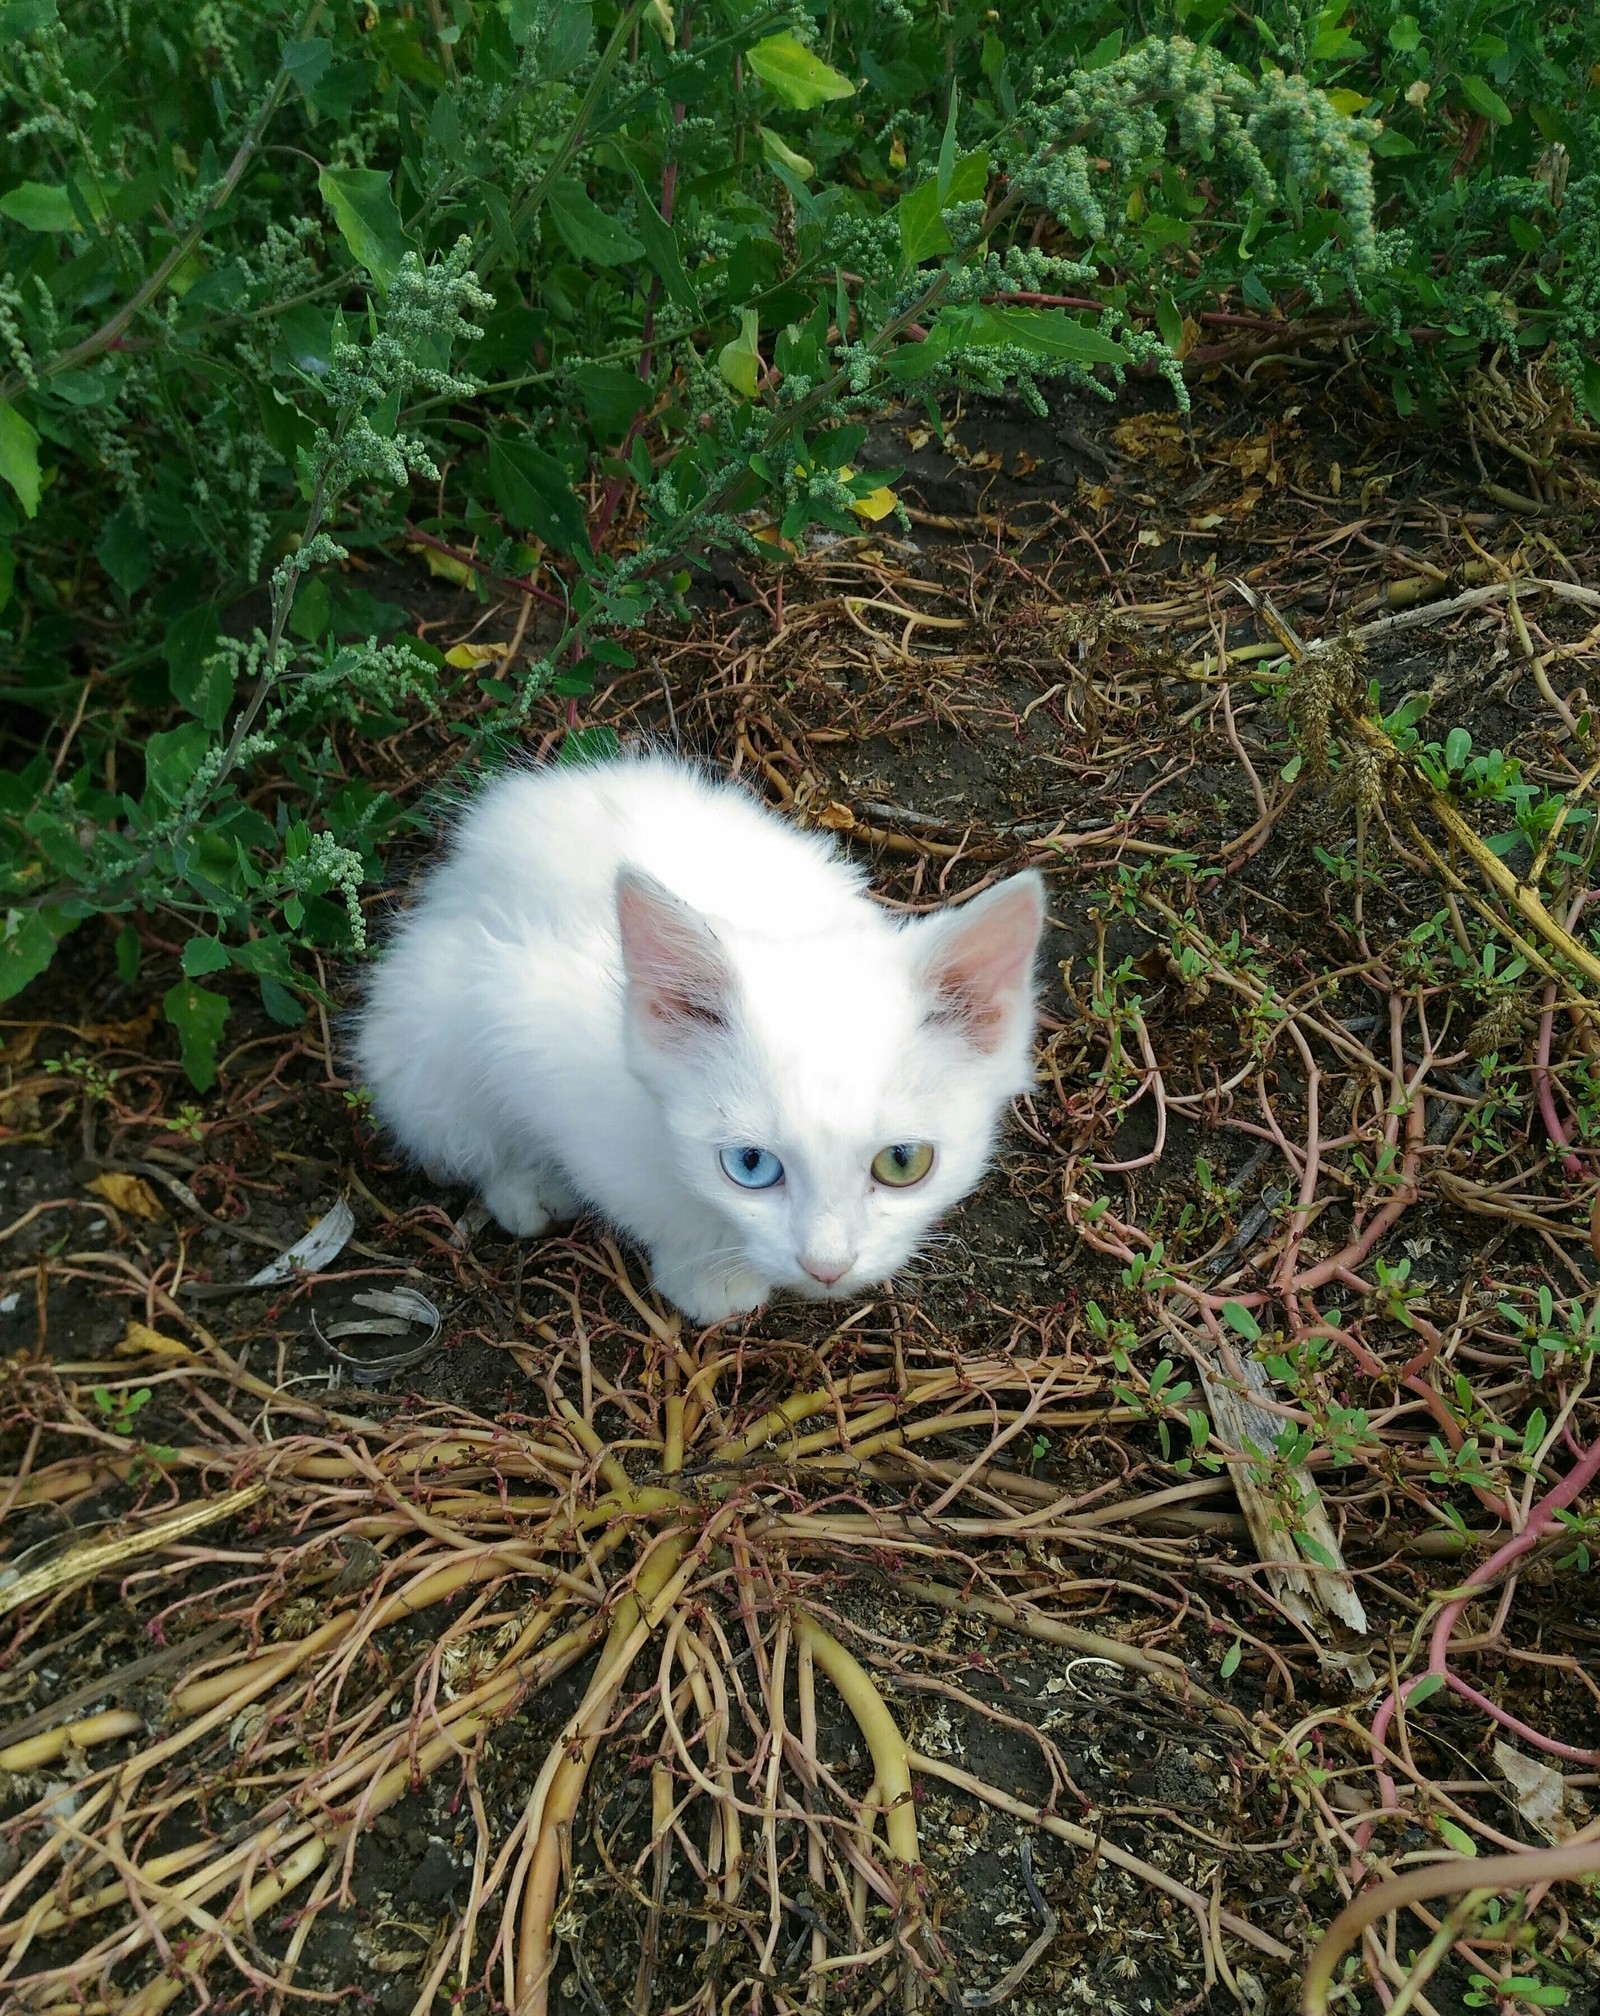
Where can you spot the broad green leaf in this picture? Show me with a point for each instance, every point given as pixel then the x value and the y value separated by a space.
pixel 1313 1550
pixel 1391 146
pixel 588 745
pixel 130 949
pixel 198 1015
pixel 363 207
pixel 535 492
pixel 1405 34
pixel 1457 748
pixel 307 62
pixel 790 71
pixel 204 955
pixel 1429 1684
pixel 279 1003
pixel 1239 1319
pixel 171 759
pixel 740 361
pixel 200 684
pixel 24 17
pixel 8 572
pixel 1047 332
pixel 123 550
pixel 921 211
pixel 1333 42
pixel 313 606
pixel 19 458
pixel 1457 1838
pixel 27 945
pixel 567 30
pixel 587 232
pixel 612 397
pixel 661 244
pixel 1231 1658
pixel 947 147
pixel 1482 97
pixel 776 151
pixel 41 206
pixel 1169 322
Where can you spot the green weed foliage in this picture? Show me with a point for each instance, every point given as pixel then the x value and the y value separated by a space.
pixel 282 289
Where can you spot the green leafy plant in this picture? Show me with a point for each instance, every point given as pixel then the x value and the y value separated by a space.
pixel 120 1411
pixel 288 292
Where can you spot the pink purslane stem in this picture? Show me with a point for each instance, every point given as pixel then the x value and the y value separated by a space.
pixel 1541 1519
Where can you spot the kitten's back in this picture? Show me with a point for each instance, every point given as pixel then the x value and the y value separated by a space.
pixel 546 845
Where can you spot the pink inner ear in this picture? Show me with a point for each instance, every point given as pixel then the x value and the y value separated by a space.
pixel 983 960
pixel 675 969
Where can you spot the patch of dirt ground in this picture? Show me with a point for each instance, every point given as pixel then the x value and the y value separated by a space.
pixel 1203 1528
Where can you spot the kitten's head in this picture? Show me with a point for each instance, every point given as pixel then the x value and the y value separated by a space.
pixel 830 1096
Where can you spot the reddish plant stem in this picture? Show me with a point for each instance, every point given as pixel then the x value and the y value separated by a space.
pixel 647 353
pixel 1539 1522
pixel 522 583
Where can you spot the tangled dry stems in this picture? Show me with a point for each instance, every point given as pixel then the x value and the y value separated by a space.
pixel 679 1538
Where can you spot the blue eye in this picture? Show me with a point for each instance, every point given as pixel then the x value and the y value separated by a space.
pixel 751 1168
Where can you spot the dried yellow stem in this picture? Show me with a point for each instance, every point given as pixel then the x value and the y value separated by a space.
pixel 98 1557
pixel 891 1760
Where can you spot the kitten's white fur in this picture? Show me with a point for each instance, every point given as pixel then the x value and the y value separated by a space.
pixel 622 968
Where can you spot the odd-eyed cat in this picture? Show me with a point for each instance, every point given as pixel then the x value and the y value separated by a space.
pixel 632 987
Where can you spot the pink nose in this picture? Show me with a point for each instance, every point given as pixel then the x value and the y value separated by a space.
pixel 828 1274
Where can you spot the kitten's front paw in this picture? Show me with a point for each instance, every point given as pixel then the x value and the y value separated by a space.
pixel 711 1293
pixel 527 1202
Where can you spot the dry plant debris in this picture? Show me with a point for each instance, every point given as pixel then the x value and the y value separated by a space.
pixel 1200 1540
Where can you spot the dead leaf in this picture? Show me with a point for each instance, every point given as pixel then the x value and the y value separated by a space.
pixel 1539 1792
pixel 1250 457
pixel 140 1341
pixel 128 1033
pixel 18 1045
pixel 836 818
pixel 876 504
pixel 466 656
pixel 130 1194
pixel 444 566
pixel 1147 437
pixel 1023 464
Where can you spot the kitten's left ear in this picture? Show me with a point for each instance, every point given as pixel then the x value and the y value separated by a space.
pixel 679 984
pixel 977 962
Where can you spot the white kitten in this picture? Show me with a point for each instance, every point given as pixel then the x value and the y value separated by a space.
pixel 632 987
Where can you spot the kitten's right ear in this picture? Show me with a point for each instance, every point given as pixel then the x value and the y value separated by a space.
pixel 678 979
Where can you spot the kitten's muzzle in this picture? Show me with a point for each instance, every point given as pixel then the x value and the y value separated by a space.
pixel 827 1271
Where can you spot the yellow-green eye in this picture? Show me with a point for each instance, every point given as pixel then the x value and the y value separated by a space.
pixel 907 1162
